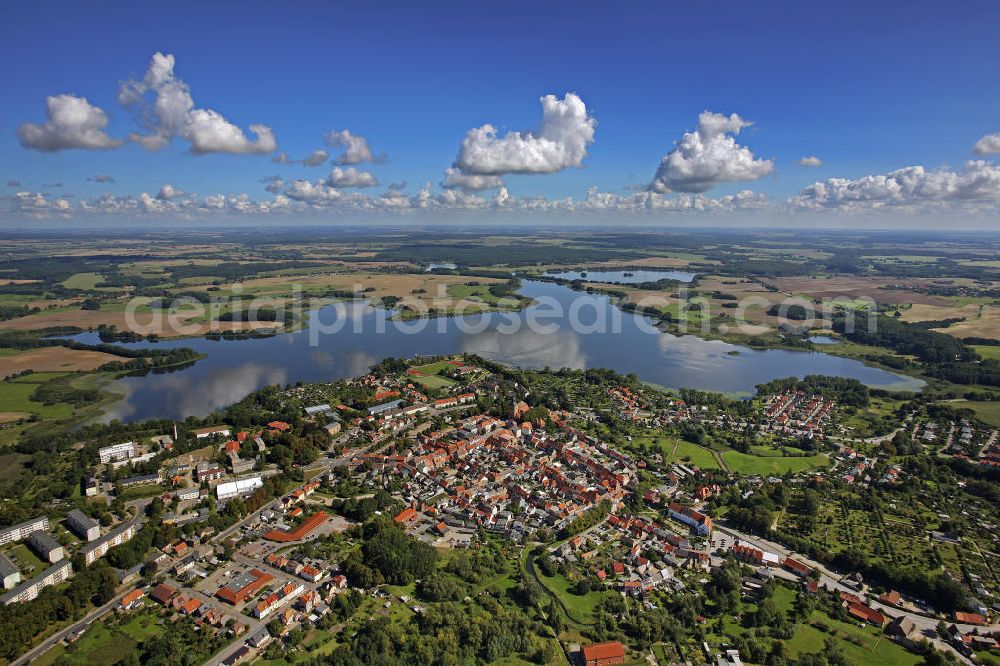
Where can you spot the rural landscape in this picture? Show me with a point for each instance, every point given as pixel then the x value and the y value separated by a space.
pixel 815 519
pixel 520 334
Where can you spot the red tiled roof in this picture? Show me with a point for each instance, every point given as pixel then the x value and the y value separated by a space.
pixel 867 614
pixel 234 597
pixel 601 651
pixel 131 597
pixel 405 516
pixel 970 618
pixel 162 593
pixel 301 531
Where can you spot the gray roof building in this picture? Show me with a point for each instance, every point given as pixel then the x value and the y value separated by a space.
pixel 83 525
pixel 46 546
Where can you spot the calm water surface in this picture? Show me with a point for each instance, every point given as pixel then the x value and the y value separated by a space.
pixel 235 368
pixel 620 277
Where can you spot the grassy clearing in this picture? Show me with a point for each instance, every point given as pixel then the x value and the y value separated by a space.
pixel 12 466
pixel 988 412
pixel 988 351
pixel 434 368
pixel 747 464
pixel 579 608
pixel 860 645
pixel 83 281
pixel 434 381
pixel 15 396
pixel 685 452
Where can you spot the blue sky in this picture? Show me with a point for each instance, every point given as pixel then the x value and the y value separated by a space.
pixel 868 88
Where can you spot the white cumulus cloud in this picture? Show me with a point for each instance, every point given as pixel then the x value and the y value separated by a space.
pixel 70 122
pixel 351 177
pixel 978 183
pixel 164 106
pixel 168 192
pixel 988 145
pixel 453 178
pixel 561 141
pixel 709 156
pixel 356 149
pixel 810 161
pixel 316 158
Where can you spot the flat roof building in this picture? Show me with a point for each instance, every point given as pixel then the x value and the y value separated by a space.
pixel 239 487
pixel 122 451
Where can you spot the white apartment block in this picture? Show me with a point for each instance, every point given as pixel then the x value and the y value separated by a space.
pixel 29 589
pixel 116 537
pixel 21 531
pixel 122 451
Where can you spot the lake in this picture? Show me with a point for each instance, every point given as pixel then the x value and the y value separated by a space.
pixel 358 335
pixel 622 277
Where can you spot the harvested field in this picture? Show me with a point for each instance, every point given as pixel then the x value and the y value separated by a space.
pixel 987 325
pixel 54 359
pixel 146 322
pixel 856 288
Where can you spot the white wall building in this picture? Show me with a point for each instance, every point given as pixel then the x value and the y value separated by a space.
pixel 239 487
pixel 122 451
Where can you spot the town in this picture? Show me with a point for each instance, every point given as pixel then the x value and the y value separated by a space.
pixel 268 529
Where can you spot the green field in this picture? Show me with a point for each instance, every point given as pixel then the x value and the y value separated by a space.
pixel 862 646
pixel 685 452
pixel 988 351
pixel 15 396
pixel 579 608
pixel 434 368
pixel 762 465
pixel 988 412
pixel 433 381
pixel 83 281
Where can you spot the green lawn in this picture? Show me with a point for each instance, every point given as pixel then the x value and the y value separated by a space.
pixel 26 559
pixel 861 646
pixel 748 464
pixel 434 381
pixel 83 281
pixel 579 608
pixel 686 452
pixel 434 368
